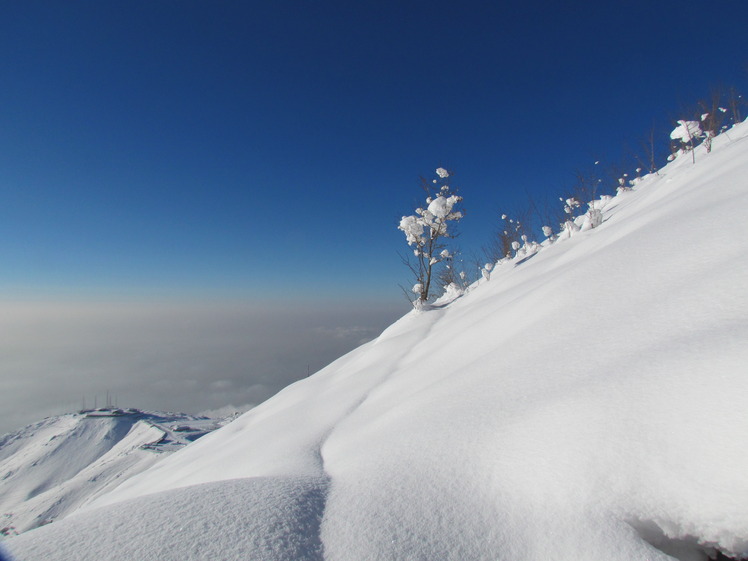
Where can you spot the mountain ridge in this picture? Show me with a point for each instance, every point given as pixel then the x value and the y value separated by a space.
pixel 51 468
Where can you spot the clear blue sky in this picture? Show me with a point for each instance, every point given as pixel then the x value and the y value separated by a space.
pixel 234 171
pixel 221 149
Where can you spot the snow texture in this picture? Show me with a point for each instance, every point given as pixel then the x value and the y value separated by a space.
pixel 270 518
pixel 588 403
pixel 53 467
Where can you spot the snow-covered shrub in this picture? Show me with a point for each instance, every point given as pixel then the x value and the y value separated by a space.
pixel 587 183
pixel 502 245
pixel 594 217
pixel 531 248
pixel 714 114
pixel 570 205
pixel 486 271
pixel 452 291
pixel 452 270
pixel 622 184
pixel 427 231
pixel 708 135
pixel 548 233
pixel 687 132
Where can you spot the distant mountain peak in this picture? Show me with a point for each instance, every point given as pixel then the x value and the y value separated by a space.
pixel 50 468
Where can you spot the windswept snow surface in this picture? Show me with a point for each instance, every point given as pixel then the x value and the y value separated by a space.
pixel 586 403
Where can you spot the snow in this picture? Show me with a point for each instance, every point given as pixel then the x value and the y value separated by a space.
pixel 271 518
pixel 413 228
pixel 686 131
pixel 441 207
pixel 593 218
pixel 52 468
pixel 586 403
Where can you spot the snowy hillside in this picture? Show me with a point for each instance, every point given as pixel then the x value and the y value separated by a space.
pixel 585 403
pixel 52 468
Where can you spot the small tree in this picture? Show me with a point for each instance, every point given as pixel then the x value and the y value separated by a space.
pixel 427 232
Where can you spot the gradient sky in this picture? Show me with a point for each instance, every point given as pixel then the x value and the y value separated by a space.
pixel 258 155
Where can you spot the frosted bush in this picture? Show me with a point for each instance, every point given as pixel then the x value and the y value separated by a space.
pixel 548 233
pixel 686 131
pixel 427 230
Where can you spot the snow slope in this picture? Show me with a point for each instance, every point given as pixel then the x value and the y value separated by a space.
pixel 52 468
pixel 586 403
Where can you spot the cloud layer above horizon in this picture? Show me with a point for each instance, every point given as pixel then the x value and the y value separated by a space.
pixel 178 357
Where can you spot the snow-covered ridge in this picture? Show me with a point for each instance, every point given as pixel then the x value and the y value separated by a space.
pixel 586 402
pixel 53 467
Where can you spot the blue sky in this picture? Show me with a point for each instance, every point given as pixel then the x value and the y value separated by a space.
pixel 222 149
pixel 262 153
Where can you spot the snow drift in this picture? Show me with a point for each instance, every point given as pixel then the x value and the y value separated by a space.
pixel 588 402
